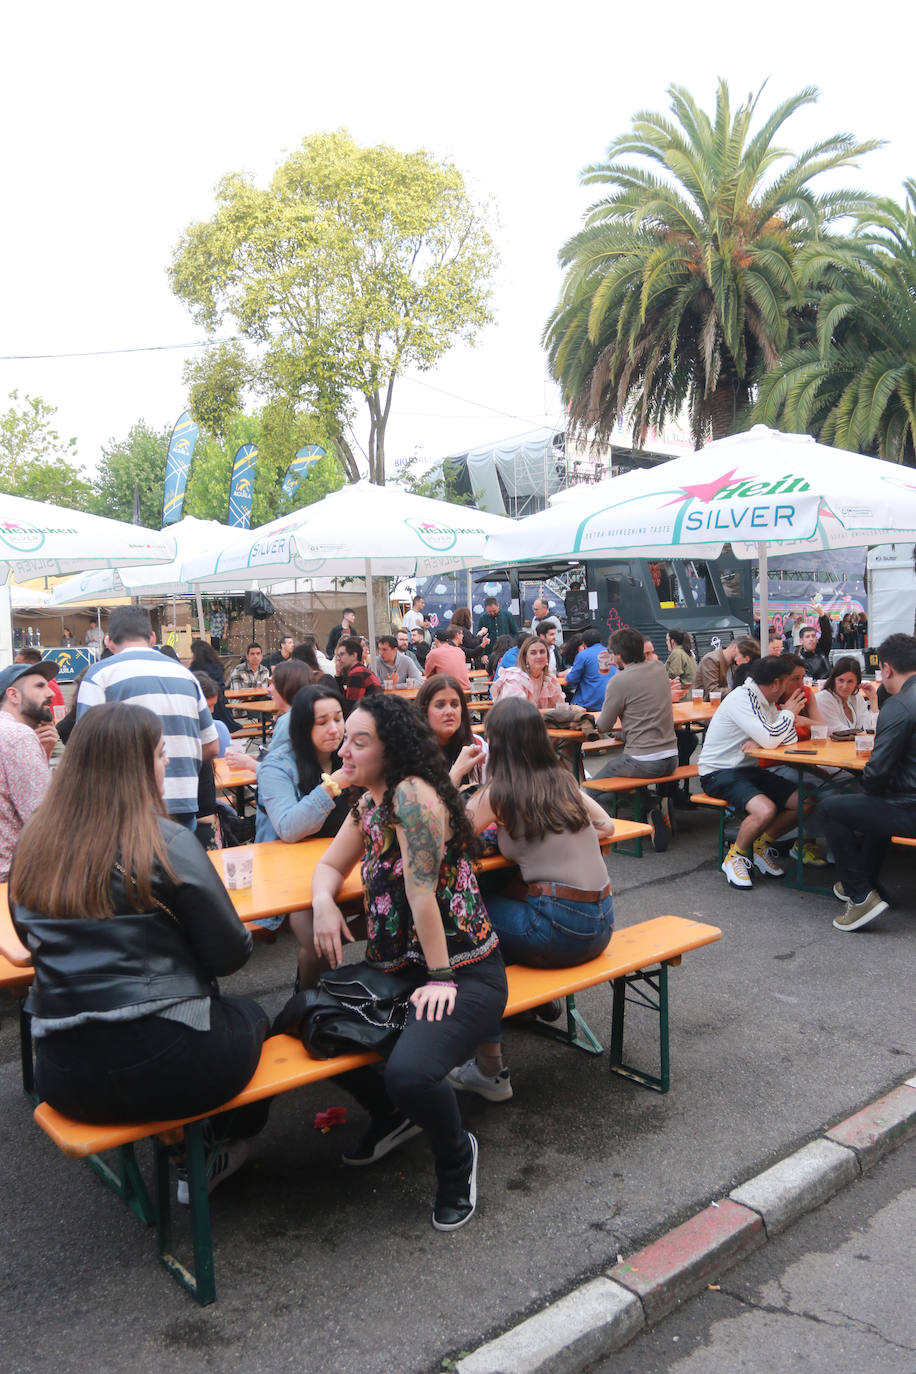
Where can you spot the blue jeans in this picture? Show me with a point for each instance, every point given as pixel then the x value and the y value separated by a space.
pixel 549 932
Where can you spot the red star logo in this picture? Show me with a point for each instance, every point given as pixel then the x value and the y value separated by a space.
pixel 705 491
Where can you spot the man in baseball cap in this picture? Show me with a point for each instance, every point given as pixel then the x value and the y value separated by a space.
pixel 27 737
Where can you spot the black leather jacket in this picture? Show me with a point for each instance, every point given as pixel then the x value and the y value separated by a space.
pixel 891 770
pixel 174 951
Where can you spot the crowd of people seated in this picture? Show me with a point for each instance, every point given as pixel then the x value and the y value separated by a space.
pixel 401 786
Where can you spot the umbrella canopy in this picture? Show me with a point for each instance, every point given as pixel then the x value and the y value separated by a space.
pixel 386 528
pixel 362 530
pixel 40 540
pixel 192 538
pixel 755 491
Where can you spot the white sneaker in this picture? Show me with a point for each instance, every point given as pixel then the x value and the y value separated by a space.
pixel 737 869
pixel 222 1163
pixel 468 1078
pixel 764 857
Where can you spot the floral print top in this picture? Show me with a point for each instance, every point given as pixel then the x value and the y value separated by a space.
pixel 393 942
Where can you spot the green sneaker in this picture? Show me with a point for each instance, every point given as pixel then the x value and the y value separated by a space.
pixel 858 914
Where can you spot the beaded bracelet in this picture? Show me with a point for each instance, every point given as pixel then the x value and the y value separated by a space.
pixel 440 982
pixel 440 973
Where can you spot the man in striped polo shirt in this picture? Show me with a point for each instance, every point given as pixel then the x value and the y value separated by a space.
pixel 139 674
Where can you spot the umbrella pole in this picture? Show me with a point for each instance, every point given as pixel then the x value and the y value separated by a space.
pixel 370 612
pixel 763 576
pixel 200 613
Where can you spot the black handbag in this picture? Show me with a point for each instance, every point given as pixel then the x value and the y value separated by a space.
pixel 354 1007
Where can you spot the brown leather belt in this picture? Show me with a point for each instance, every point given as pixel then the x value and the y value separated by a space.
pixel 519 890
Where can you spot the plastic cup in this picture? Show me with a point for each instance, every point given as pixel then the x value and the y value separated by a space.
pixel 58 712
pixel 819 735
pixel 808 681
pixel 238 867
pixel 864 743
pixel 714 699
pixel 696 694
pixel 604 661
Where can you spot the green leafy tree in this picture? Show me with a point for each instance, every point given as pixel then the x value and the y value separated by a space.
pixel 34 460
pixel 852 382
pixel 685 284
pixel 139 459
pixel 438 482
pixel 278 435
pixel 351 266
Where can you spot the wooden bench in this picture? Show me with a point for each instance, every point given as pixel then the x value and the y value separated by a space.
pixel 615 787
pixel 17 980
pixel 722 806
pixel 638 956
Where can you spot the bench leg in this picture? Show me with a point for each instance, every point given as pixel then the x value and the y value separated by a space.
pixel 576 1031
pixel 199 1283
pixel 127 1182
pixel 650 989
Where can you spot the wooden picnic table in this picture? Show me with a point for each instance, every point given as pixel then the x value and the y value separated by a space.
pixel 807 754
pixel 247 693
pixel 282 882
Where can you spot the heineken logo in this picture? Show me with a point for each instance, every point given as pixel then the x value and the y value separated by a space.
pixel 440 537
pixel 26 538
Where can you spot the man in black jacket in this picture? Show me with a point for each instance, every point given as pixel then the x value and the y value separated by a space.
pixel 817 665
pixel 858 828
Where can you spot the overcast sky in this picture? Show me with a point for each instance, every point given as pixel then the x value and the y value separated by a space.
pixel 119 120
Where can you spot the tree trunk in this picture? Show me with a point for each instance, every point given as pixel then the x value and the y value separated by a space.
pixel 725 406
pixel 346 458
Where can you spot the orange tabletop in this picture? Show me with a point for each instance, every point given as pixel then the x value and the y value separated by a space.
pixel 228 773
pixel 282 882
pixel 688 712
pixel 11 947
pixel 243 693
pixel 806 754
pixel 263 708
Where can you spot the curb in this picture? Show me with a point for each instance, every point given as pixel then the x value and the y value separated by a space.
pixel 604 1314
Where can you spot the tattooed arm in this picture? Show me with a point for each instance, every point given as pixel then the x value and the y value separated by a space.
pixel 421 825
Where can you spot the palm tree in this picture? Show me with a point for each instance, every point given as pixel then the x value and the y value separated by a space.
pixel 683 285
pixel 853 381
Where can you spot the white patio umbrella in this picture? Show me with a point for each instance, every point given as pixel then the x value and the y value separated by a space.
pixel 362 530
pixel 192 537
pixel 752 490
pixel 39 540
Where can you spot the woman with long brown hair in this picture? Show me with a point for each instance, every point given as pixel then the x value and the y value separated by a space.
pixel 444 707
pixel 560 912
pixel 129 925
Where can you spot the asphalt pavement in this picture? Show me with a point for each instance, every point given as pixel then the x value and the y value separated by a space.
pixel 833 1292
pixel 778 1031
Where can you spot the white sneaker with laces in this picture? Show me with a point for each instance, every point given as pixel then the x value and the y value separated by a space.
pixel 764 860
pixel 737 869
pixel 222 1163
pixel 469 1079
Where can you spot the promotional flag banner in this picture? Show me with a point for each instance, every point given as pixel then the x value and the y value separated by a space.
pixel 299 467
pixel 178 463
pixel 241 487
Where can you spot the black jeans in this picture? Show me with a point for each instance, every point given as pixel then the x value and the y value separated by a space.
pixel 155 1070
pixel 414 1080
pixel 859 830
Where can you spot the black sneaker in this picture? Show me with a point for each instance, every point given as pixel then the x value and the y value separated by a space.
pixel 379 1140
pixel 456 1197
pixel 660 831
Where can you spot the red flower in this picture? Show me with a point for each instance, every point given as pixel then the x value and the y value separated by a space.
pixel 334 1116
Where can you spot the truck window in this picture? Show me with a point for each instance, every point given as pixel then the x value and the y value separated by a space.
pixel 667 587
pixel 700 584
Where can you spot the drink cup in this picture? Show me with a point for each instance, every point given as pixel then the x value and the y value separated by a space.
pixel 59 712
pixel 714 699
pixel 696 694
pixel 808 681
pixel 864 743
pixel 604 661
pixel 238 867
pixel 818 736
